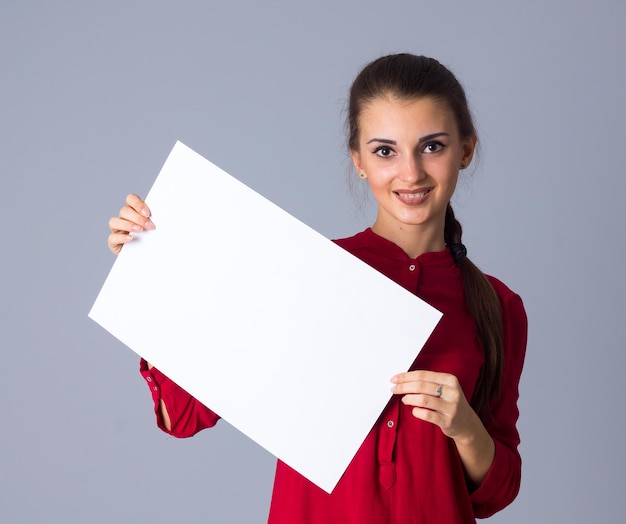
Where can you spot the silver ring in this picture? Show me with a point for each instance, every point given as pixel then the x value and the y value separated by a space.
pixel 439 390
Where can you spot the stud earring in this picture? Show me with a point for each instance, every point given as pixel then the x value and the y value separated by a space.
pixel 362 175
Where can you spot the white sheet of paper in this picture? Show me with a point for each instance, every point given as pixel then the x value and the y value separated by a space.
pixel 287 336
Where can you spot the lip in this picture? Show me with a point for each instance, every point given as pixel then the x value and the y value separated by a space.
pixel 413 197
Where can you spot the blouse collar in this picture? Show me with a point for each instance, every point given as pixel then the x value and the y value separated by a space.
pixel 388 249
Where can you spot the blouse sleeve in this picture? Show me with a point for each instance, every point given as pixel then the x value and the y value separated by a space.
pixel 502 483
pixel 187 415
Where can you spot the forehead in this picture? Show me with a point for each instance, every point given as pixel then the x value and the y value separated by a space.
pixel 416 115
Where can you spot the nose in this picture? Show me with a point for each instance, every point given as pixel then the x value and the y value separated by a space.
pixel 412 171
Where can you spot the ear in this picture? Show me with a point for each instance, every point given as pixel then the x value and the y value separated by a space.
pixel 356 160
pixel 469 146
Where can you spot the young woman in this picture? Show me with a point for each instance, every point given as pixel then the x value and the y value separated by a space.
pixel 444 450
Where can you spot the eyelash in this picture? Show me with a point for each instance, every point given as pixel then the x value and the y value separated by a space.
pixel 378 151
pixel 439 146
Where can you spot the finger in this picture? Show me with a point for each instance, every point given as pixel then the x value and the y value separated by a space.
pixel 425 401
pixel 424 376
pixel 413 386
pixel 429 415
pixel 115 241
pixel 121 225
pixel 138 205
pixel 419 386
pixel 439 417
pixel 129 214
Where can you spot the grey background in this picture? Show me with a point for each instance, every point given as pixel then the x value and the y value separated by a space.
pixel 93 96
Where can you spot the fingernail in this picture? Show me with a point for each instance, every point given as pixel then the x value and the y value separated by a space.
pixel 149 224
pixel 393 379
pixel 393 389
pixel 136 227
pixel 144 212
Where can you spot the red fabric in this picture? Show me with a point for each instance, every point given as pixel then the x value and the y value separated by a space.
pixel 406 471
pixel 187 415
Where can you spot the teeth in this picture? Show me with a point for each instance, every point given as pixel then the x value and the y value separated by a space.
pixel 414 196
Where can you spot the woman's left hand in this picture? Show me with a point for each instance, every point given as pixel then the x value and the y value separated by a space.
pixel 439 399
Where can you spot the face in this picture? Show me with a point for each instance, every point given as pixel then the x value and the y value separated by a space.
pixel 410 152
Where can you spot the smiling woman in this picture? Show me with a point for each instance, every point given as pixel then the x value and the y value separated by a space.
pixel 444 450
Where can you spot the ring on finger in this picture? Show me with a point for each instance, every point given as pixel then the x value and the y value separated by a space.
pixel 439 390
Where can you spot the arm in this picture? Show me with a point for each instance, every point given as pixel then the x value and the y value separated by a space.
pixel 177 412
pixel 502 482
pixel 487 449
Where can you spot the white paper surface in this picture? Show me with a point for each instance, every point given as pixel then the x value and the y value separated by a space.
pixel 281 332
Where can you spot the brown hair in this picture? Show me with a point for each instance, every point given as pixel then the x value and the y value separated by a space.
pixel 407 76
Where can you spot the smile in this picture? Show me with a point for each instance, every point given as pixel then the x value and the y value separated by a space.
pixel 412 198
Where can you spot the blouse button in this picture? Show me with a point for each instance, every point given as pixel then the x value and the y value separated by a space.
pixel 155 388
pixel 149 379
pixel 390 423
pixel 412 267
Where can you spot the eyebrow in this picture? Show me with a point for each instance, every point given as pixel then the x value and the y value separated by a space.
pixel 421 140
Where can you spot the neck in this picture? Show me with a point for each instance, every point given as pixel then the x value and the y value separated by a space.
pixel 413 240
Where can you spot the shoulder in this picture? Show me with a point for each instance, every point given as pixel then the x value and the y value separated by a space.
pixel 363 245
pixel 506 295
pixel 360 240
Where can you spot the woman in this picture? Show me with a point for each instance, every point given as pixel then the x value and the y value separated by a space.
pixel 444 449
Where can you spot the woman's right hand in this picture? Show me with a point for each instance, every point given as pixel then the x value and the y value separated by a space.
pixel 134 217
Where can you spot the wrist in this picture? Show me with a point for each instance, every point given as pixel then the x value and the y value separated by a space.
pixel 473 431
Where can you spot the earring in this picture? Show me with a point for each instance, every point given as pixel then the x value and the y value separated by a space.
pixel 363 175
pixel 463 166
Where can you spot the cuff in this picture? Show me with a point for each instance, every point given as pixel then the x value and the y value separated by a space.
pixel 500 486
pixel 159 384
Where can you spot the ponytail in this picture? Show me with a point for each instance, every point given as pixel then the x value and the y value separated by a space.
pixel 484 306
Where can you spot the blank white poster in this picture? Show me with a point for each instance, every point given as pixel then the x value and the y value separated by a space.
pixel 285 335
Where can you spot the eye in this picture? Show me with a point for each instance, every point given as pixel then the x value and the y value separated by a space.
pixel 433 147
pixel 383 151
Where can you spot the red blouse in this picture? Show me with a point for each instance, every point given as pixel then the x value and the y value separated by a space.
pixel 406 471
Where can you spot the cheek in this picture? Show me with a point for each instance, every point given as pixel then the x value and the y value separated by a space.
pixel 447 174
pixel 450 176
pixel 380 175
pixel 378 182
pixel 454 178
